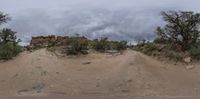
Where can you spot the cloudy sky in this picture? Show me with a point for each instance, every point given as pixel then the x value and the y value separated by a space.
pixel 129 20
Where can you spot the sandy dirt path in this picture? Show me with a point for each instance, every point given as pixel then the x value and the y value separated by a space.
pixel 43 75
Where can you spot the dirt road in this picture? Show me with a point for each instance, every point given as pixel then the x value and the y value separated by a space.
pixel 43 75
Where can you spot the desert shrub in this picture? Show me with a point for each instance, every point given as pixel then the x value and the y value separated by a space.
pixel 157 49
pixel 9 44
pixel 149 48
pixel 158 40
pixel 8 40
pixel 162 49
pixel 120 45
pixel 195 51
pixel 76 45
pixel 91 44
pixel 51 44
pixel 161 41
pixel 178 56
pixel 104 44
pixel 101 44
pixel 9 50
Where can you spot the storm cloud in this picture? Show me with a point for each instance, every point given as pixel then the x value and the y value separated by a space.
pixel 129 20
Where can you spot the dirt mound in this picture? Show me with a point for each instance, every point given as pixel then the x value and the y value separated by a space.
pixel 132 74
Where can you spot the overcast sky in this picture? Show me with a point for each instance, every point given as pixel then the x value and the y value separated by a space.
pixel 116 19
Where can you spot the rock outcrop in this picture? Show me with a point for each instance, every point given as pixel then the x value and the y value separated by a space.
pixel 45 40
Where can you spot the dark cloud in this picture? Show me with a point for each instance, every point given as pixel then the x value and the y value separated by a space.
pixel 130 20
pixel 115 24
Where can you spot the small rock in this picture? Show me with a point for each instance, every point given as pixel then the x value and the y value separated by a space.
pixel 23 91
pixel 39 67
pixel 38 87
pixel 44 73
pixel 125 91
pixel 130 80
pixel 51 86
pixel 187 60
pixel 97 85
pixel 15 75
pixel 85 63
pixel 189 67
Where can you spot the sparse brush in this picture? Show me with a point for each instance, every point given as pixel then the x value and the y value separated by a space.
pixel 103 44
pixel 195 51
pixel 149 48
pixel 9 50
pixel 178 56
pixel 8 44
pixel 76 45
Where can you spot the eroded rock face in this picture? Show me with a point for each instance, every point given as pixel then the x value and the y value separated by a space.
pixel 61 38
pixel 45 40
pixel 42 40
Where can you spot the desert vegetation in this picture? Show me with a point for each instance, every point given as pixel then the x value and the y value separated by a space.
pixel 179 38
pixel 8 41
pixel 80 44
pixel 77 45
pixel 104 44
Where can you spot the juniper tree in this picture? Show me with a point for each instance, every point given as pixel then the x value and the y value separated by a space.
pixel 182 28
pixel 3 18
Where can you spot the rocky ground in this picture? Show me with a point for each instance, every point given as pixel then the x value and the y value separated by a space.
pixel 132 75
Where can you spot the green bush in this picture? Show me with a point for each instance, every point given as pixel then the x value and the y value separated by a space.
pixel 169 50
pixel 149 48
pixel 101 45
pixel 51 44
pixel 161 41
pixel 195 51
pixel 157 49
pixel 9 50
pixel 118 45
pixel 178 56
pixel 77 45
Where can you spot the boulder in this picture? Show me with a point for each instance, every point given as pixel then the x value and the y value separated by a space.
pixel 189 67
pixel 187 60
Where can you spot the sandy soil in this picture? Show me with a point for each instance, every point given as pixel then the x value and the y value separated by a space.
pixel 43 75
